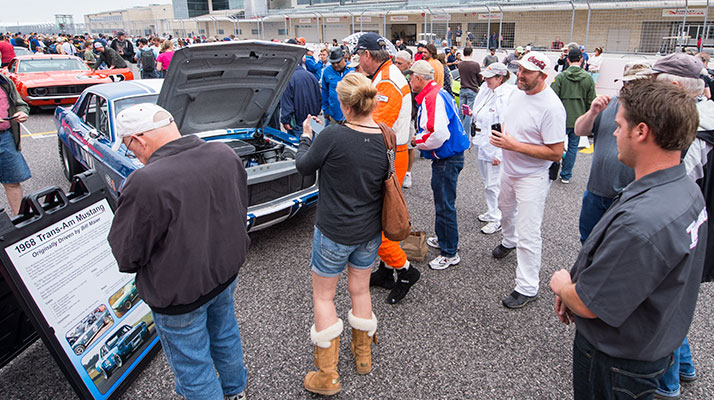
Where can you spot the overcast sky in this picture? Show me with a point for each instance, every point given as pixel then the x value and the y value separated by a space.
pixel 43 11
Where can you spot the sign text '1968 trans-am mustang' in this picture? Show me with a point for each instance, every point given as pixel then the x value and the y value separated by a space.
pixel 49 80
pixel 218 91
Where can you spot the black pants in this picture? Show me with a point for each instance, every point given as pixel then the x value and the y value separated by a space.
pixel 597 376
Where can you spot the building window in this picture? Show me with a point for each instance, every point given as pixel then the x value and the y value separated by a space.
pixel 238 31
pixel 282 32
pixel 201 31
pixel 220 5
pixel 220 31
pixel 254 31
pixel 197 7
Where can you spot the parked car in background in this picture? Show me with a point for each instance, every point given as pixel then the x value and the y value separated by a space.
pixel 49 80
pixel 120 346
pixel 21 51
pixel 218 91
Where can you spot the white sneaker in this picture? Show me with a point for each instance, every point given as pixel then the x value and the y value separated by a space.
pixel 407 182
pixel 491 227
pixel 484 218
pixel 442 262
pixel 239 396
pixel 565 181
pixel 433 242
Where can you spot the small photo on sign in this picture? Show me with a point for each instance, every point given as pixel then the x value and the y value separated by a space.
pixel 114 354
pixel 82 335
pixel 124 299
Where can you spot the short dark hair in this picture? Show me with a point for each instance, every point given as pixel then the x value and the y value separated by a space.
pixel 667 110
pixel 143 41
pixel 468 51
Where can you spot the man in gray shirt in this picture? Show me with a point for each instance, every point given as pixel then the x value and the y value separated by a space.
pixel 608 175
pixel 633 288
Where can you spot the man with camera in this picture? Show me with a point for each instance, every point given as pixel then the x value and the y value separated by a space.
pixel 532 138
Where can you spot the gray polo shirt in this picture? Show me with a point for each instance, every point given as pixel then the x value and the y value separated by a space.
pixel 608 175
pixel 639 270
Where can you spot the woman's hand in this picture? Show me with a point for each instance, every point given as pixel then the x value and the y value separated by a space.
pixel 306 128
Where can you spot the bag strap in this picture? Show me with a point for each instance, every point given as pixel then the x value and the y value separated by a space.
pixel 390 140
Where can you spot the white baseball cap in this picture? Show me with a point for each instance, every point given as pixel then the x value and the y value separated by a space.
pixel 535 61
pixel 137 119
pixel 494 69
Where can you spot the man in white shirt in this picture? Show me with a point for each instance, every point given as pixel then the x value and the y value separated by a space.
pixel 532 137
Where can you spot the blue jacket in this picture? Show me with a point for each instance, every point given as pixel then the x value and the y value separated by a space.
pixel 314 67
pixel 301 97
pixel 330 102
pixel 441 134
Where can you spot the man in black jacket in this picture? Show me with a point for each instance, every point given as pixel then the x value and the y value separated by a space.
pixel 123 47
pixel 182 230
pixel 108 56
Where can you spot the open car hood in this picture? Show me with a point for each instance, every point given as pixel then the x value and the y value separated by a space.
pixel 227 85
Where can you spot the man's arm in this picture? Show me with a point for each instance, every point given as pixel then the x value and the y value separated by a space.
pixel 584 123
pixel 551 152
pixel 564 288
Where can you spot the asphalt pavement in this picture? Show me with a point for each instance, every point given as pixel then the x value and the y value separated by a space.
pixel 450 338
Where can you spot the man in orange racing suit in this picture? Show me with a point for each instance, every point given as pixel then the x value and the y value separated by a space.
pixel 394 108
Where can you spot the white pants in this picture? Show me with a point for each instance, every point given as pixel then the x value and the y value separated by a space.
pixel 522 202
pixel 491 178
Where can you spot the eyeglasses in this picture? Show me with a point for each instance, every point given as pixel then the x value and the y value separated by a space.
pixel 131 140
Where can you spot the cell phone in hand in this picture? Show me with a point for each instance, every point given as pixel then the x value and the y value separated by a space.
pixel 316 126
pixel 465 109
pixel 11 118
pixel 496 127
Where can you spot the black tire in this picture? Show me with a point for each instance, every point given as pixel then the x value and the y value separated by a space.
pixel 119 361
pixel 79 350
pixel 126 306
pixel 70 166
pixel 105 374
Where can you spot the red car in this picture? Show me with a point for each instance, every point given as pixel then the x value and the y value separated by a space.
pixel 48 80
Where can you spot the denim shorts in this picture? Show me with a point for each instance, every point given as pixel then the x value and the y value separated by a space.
pixel 13 168
pixel 330 258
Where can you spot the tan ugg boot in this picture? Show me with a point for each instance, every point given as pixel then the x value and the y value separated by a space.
pixel 325 380
pixel 364 331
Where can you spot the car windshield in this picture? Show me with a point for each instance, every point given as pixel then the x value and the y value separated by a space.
pixel 52 64
pixel 21 51
pixel 121 104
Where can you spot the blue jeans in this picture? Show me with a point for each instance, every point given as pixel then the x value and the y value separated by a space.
pixel 597 376
pixel 592 210
pixel 196 342
pixel 330 258
pixel 467 96
pixel 444 176
pixel 149 75
pixel 682 366
pixel 569 157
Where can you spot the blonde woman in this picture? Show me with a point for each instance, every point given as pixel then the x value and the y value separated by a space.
pixel 353 164
pixel 164 58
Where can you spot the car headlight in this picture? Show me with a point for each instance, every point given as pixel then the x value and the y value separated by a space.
pixel 39 91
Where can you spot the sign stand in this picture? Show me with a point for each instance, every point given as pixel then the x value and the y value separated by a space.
pixel 58 264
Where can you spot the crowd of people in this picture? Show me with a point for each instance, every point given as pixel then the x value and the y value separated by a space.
pixel 631 292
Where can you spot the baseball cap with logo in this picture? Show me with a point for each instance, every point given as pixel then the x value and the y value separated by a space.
pixel 137 119
pixel 354 61
pixel 535 61
pixel 97 45
pixel 679 64
pixel 635 70
pixel 370 41
pixel 494 69
pixel 519 49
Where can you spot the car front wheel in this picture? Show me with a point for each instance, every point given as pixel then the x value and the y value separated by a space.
pixel 70 166
pixel 104 373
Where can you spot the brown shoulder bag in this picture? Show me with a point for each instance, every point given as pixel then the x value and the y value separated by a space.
pixel 395 214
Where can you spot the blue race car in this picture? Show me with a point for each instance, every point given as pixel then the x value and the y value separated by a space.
pixel 218 91
pixel 120 346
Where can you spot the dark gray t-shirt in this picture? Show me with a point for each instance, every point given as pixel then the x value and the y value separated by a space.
pixel 608 175
pixel 639 270
pixel 353 166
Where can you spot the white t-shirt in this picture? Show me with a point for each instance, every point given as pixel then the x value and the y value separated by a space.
pixel 535 119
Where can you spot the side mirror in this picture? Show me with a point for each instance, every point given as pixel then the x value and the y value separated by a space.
pixel 93 133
